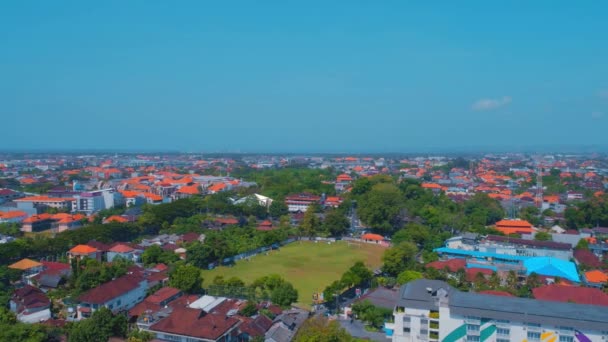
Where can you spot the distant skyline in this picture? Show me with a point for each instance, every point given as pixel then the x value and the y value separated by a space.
pixel 313 76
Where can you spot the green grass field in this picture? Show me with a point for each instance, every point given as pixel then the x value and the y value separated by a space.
pixel 309 266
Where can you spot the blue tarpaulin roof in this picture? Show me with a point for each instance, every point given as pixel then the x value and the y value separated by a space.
pixel 552 267
pixel 545 266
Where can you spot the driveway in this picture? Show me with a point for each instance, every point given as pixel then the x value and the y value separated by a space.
pixel 356 329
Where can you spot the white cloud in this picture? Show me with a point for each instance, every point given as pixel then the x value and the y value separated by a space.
pixel 603 93
pixel 597 115
pixel 489 104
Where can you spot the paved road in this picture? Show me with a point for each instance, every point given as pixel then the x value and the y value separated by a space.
pixel 357 329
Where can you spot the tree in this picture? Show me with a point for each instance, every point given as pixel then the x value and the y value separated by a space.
pixel 335 223
pixel 320 329
pixel 152 255
pixel 281 292
pixel 582 244
pixel 250 309
pixel 398 257
pixel 407 276
pixel 277 209
pixel 367 312
pixel 494 280
pixel 186 278
pixel 512 280
pixel 542 236
pixel 284 295
pixel 99 328
pixel 381 206
pixel 310 224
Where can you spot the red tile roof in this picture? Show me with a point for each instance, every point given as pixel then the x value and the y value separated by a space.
pixel 44 199
pixel 596 276
pixel 453 265
pixel 163 294
pixel 116 218
pixel 561 293
pixel 471 273
pixel 83 249
pixel 374 237
pixel 195 323
pixel 587 257
pixel 111 290
pixel 121 248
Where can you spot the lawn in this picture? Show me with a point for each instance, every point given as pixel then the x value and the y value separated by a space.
pixel 309 266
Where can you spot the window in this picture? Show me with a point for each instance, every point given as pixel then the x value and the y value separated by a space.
pixel 533 336
pixel 502 332
pixel 473 338
pixel 171 338
pixel 424 321
pixel 407 319
pixel 118 302
pixel 566 339
pixel 503 340
pixel 406 330
pixel 535 325
pixel 472 327
pixel 424 332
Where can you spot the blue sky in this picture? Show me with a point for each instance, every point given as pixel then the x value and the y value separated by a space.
pixel 316 76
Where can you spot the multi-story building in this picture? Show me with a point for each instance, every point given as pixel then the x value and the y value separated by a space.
pixel 300 202
pixel 431 310
pixel 93 201
pixel 33 203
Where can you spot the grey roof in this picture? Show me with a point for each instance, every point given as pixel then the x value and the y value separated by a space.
pixel 292 318
pixel 579 316
pixel 382 297
pixel 416 294
pixel 278 333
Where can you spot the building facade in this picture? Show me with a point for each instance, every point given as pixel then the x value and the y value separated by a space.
pixel 431 310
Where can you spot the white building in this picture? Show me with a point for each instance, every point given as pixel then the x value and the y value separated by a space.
pixel 93 201
pixel 431 310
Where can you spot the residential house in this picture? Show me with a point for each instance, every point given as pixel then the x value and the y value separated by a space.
pixel 80 252
pixel 30 305
pixel 286 325
pixel 14 216
pixel 29 268
pixel 51 275
pixel 123 251
pixel 120 294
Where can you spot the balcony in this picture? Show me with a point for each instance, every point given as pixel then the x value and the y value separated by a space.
pixel 434 325
pixel 434 315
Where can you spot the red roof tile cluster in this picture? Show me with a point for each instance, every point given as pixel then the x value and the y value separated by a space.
pixel 372 237
pixel 195 323
pixel 586 257
pixel 111 289
pixel 83 250
pixel 576 294
pixel 453 265
pixel 471 273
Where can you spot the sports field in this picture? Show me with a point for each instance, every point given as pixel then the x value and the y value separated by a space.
pixel 309 266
